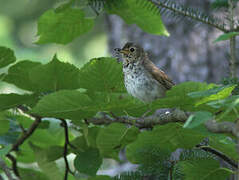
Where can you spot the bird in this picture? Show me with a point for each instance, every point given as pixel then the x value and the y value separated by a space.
pixel 142 78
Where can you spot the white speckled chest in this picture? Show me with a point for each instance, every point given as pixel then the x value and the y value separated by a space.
pixel 140 83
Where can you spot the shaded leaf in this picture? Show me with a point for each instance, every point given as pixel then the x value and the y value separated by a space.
pixel 6 56
pixel 62 27
pixel 88 162
pixel 4 123
pixel 12 100
pixel 100 177
pixel 206 169
pixel 30 174
pixel 49 168
pixel 114 137
pixel 166 137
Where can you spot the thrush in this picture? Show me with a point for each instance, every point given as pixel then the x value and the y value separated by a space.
pixel 142 78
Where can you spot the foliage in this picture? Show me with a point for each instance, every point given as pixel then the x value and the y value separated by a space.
pixel 50 118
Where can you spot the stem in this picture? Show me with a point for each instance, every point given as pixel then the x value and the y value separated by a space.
pixel 67 142
pixel 14 164
pixel 232 63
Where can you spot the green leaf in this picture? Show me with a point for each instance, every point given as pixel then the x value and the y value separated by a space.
pixel 4 123
pixel 12 100
pixel 6 56
pixel 49 168
pixel 166 137
pixel 197 118
pixel 74 105
pixel 100 177
pixel 212 94
pixel 114 137
pixel 55 75
pixel 88 162
pixel 30 174
pixel 102 74
pixel 66 104
pixel 18 75
pixel 204 169
pixel 225 145
pixel 62 27
pixel 177 96
pixel 226 36
pixel 140 12
pixel 4 150
pixel 90 135
pixel 54 152
pixel 228 108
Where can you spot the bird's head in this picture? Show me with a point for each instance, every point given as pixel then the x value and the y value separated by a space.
pixel 131 53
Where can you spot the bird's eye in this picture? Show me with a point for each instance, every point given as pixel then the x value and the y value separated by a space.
pixel 132 49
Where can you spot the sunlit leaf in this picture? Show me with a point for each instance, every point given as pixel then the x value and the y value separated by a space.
pixel 140 12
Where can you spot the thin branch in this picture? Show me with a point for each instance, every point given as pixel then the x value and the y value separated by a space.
pixel 162 116
pixel 27 134
pixel 219 154
pixel 14 164
pixel 185 12
pixel 67 142
pixel 6 169
pixel 222 127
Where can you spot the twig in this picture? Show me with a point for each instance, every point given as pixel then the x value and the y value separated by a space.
pixel 27 134
pixel 6 169
pixel 67 142
pixel 219 154
pixel 14 164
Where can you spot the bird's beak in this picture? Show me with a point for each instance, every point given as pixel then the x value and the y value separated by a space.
pixel 124 51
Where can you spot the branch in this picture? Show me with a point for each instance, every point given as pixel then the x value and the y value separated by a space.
pixel 67 142
pixel 222 127
pixel 219 154
pixel 14 164
pixel 189 12
pixel 162 116
pixel 27 134
pixel 6 169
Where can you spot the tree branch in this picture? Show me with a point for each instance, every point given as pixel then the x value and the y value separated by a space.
pixel 14 164
pixel 6 169
pixel 222 127
pixel 27 134
pixel 67 142
pixel 162 116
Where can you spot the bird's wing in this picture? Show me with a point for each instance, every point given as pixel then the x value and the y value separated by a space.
pixel 158 74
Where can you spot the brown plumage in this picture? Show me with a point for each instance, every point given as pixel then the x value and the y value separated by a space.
pixel 143 79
